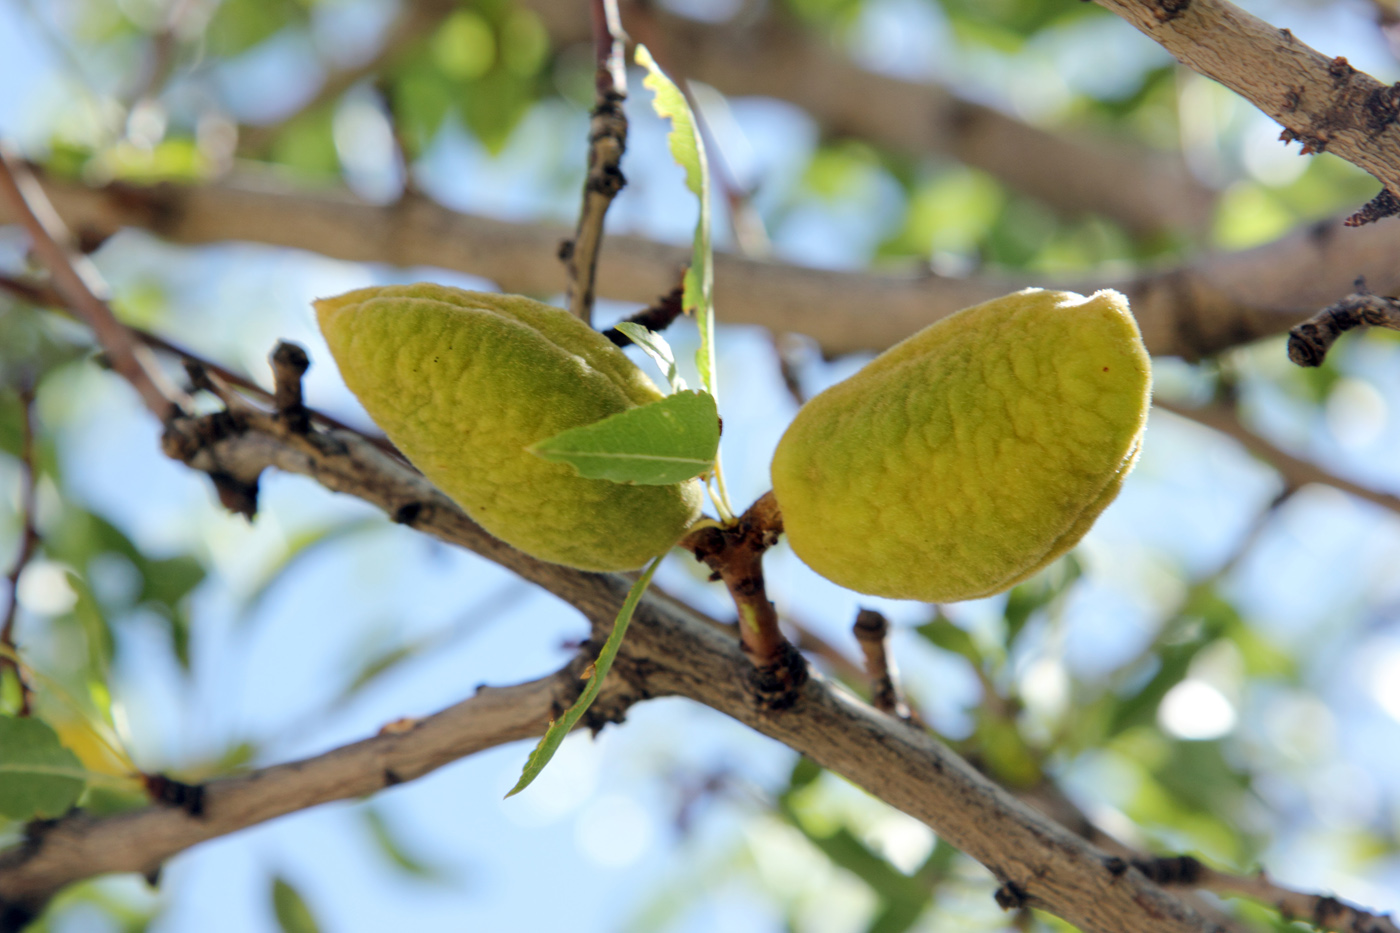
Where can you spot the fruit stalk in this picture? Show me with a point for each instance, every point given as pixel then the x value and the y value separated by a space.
pixel 735 554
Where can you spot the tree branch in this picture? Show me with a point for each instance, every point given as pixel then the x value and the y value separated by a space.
pixel 1324 103
pixel 1209 304
pixel 607 141
pixel 81 846
pixel 672 650
pixel 1074 172
pixel 1295 471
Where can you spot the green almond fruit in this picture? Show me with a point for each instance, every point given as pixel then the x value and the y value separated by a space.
pixel 465 382
pixel 969 456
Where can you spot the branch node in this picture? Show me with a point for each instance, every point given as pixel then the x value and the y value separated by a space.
pixel 163 789
pixel 1309 341
pixel 1011 896
pixel 872 631
pixel 289 363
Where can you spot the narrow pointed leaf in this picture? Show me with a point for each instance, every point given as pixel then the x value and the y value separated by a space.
pixel 668 441
pixel 565 724
pixel 39 778
pixel 658 349
pixel 688 150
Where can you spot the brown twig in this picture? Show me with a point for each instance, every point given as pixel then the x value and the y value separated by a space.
pixel 657 317
pixel 40 294
pixel 28 544
pixel 24 197
pixel 607 141
pixel 872 632
pixel 289 364
pixel 1321 910
pixel 735 554
pixel 1309 341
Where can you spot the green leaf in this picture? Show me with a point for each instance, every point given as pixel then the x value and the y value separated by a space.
pixel 393 849
pixel 943 633
pixel 38 776
pixel 565 724
pixel 657 348
pixel 293 916
pixel 666 442
pixel 688 151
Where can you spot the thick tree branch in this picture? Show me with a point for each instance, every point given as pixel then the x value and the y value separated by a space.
pixel 671 650
pixel 1323 102
pixel 1073 172
pixel 1198 309
pixel 80 846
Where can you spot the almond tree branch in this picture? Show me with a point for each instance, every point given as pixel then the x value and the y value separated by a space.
pixel 1209 304
pixel 1072 171
pixel 1325 103
pixel 1322 911
pixel 670 650
pixel 607 141
pixel 1295 471
pixel 80 846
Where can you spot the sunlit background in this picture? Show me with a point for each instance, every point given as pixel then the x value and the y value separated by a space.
pixel 1214 670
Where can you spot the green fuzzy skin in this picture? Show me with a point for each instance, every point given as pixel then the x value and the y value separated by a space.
pixel 969 456
pixel 464 382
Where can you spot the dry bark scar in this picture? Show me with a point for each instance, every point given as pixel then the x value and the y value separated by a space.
pixel 1168 10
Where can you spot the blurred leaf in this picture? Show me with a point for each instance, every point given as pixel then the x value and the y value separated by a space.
pixel 493 105
pixel 948 636
pixel 524 43
pixel 307 145
pixel 464 46
pixel 421 97
pixel 665 442
pixel 1025 599
pixel 299 547
pixel 393 849
pixel 39 778
pixel 1005 752
pixel 238 25
pixel 293 916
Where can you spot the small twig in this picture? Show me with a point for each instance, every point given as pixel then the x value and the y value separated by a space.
pixel 657 318
pixel 28 544
pixel 735 554
pixel 289 364
pixel 25 198
pixel 40 294
pixel 607 141
pixel 1309 341
pixel 1295 471
pixel 872 631
pixel 1321 910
